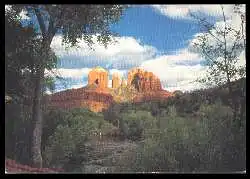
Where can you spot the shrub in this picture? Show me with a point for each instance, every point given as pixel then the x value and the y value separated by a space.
pixel 206 143
pixel 69 136
pixel 135 123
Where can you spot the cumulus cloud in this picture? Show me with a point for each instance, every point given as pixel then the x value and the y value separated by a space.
pixel 177 72
pixel 233 22
pixel 75 63
pixel 183 11
pixel 73 73
pixel 124 54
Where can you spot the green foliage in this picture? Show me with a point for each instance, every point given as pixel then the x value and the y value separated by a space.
pixel 65 133
pixel 207 143
pixel 137 124
pixel 75 21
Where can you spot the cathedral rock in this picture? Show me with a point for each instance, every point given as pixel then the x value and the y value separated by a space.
pixel 97 96
pixel 143 81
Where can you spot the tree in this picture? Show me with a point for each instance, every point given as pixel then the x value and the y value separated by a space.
pixel 221 45
pixel 73 22
pixel 21 51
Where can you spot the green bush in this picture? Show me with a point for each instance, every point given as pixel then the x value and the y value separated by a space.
pixel 207 143
pixel 70 134
pixel 136 124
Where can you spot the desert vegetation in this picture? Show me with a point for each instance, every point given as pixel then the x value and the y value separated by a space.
pixel 187 132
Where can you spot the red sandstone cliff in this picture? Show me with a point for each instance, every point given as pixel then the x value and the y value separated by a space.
pixel 144 81
pixel 94 99
pixel 98 76
pixel 141 86
pixel 152 96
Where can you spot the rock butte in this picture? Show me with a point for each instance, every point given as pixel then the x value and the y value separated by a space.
pixel 97 96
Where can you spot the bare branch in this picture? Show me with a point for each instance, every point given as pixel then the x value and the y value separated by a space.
pixel 207 25
pixel 225 43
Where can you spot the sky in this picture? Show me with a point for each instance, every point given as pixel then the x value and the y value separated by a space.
pixel 157 38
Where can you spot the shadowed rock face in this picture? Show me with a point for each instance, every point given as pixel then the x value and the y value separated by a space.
pixel 143 81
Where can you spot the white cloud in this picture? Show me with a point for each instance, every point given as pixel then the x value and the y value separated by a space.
pixel 73 73
pixel 177 72
pixel 124 54
pixel 180 70
pixel 69 73
pixel 183 11
pixel 233 22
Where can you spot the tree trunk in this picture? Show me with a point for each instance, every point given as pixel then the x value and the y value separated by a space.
pixel 242 101
pixel 36 155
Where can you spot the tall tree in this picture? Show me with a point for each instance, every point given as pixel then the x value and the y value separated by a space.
pixel 74 22
pixel 22 47
pixel 222 45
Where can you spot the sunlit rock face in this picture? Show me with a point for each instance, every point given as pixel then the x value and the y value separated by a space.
pixel 82 97
pixel 116 80
pixel 99 77
pixel 123 83
pixel 143 81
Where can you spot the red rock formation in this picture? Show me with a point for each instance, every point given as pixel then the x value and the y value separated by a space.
pixel 152 96
pixel 98 76
pixel 116 81
pixel 147 81
pixel 93 99
pixel 97 96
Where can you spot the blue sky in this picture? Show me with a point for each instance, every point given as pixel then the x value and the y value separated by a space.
pixel 157 38
pixel 151 27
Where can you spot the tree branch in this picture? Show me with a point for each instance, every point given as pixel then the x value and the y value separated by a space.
pixel 40 21
pixel 202 22
pixel 225 43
